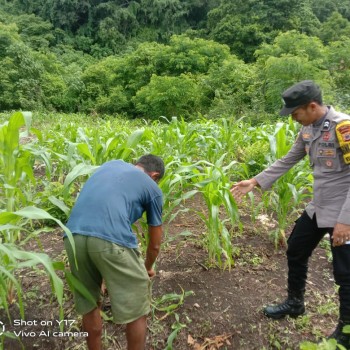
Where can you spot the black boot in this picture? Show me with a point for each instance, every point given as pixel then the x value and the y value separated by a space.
pixel 339 336
pixel 293 306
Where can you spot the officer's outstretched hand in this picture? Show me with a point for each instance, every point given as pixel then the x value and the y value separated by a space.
pixel 341 234
pixel 241 188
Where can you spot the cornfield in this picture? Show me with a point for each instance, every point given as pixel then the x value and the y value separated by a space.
pixel 45 162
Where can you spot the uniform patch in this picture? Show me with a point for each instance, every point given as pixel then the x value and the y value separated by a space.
pixel 327 136
pixel 306 136
pixel 343 135
pixel 326 152
pixel 328 163
pixel 326 124
pixel 327 144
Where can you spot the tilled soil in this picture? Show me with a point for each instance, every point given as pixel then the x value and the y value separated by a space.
pixel 221 309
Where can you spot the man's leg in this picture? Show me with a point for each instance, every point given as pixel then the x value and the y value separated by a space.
pixel 128 285
pixel 341 270
pixel 91 279
pixel 136 334
pixel 92 324
pixel 303 240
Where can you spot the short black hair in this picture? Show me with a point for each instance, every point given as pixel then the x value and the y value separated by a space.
pixel 150 163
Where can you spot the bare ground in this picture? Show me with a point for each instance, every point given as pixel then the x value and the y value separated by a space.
pixel 219 310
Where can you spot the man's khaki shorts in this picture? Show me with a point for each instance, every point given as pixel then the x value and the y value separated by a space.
pixel 122 270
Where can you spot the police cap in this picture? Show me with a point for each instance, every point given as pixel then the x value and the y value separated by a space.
pixel 300 94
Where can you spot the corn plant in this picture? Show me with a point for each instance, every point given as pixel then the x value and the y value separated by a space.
pixel 330 344
pixel 17 183
pixel 183 143
pixel 15 162
pixel 58 198
pixel 168 304
pixel 116 146
pixel 292 189
pixel 174 186
pixel 17 180
pixel 182 182
pixel 187 141
pixel 176 328
pixel 212 182
pixel 14 258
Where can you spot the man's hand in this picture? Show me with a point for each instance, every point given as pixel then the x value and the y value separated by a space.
pixel 241 188
pixel 341 234
pixel 151 273
pixel 153 248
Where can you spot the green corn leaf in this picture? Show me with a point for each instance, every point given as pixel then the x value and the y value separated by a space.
pixel 60 204
pixel 12 138
pixel 32 259
pixel 34 213
pixel 75 284
pixel 37 133
pixel 79 170
pixel 12 227
pixel 84 149
pixel 171 339
pixel 7 217
pixel 111 145
pixel 6 271
pixel 58 265
pixel 28 116
pixel 132 142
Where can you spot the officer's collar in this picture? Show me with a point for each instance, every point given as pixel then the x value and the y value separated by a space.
pixel 322 120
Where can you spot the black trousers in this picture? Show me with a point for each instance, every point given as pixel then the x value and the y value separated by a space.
pixel 303 240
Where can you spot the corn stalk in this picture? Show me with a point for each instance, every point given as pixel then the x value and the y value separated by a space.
pixel 292 189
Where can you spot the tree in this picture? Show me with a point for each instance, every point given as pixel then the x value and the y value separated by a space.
pixel 230 88
pixel 61 83
pixel 99 80
pixel 185 55
pixel 293 43
pixel 34 31
pixel 133 72
pixel 282 72
pixel 334 28
pixel 169 16
pixel 68 15
pixel 245 24
pixel 19 83
pixel 338 64
pixel 8 36
pixel 323 9
pixel 168 96
pixel 115 24
pixel 291 58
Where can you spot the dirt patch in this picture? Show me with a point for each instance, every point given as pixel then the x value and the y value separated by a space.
pixel 219 310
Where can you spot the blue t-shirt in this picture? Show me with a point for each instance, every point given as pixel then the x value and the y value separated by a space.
pixel 112 199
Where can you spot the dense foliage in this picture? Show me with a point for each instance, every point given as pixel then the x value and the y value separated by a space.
pixel 152 58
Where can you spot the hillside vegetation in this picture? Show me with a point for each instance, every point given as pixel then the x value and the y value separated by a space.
pixel 152 58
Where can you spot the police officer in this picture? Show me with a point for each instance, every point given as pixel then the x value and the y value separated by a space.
pixel 325 138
